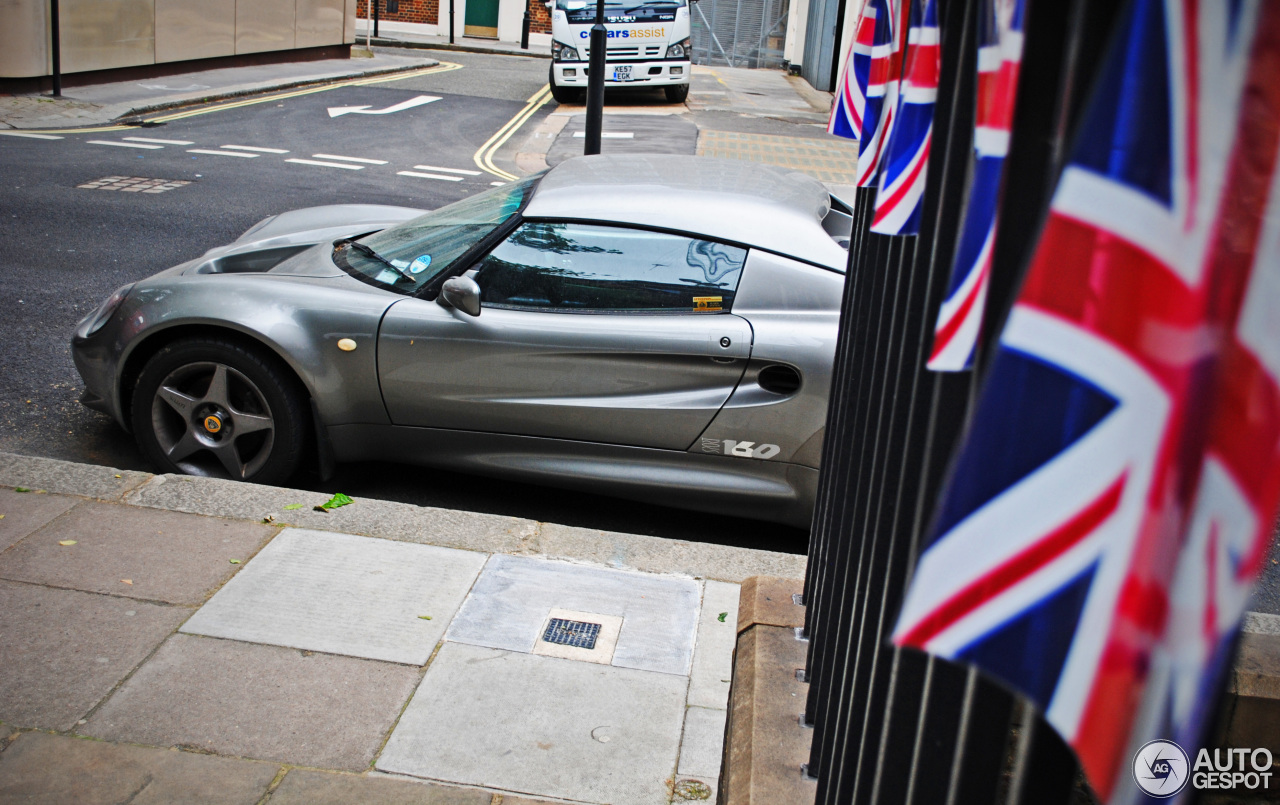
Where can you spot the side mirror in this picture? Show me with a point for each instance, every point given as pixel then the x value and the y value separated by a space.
pixel 462 293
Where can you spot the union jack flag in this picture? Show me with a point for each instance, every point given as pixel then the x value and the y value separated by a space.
pixel 902 179
pixel 1114 497
pixel 851 97
pixel 999 57
pixel 881 94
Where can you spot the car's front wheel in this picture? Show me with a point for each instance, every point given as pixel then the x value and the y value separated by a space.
pixel 219 408
pixel 676 93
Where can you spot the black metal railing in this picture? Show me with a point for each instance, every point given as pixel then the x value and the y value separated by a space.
pixel 894 726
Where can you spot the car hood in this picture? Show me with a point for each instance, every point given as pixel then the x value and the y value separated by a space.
pixel 275 244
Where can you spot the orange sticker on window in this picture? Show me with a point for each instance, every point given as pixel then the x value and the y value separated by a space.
pixel 707 303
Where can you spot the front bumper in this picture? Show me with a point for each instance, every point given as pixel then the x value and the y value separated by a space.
pixel 656 73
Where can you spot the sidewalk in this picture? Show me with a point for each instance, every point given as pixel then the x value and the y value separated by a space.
pixel 169 638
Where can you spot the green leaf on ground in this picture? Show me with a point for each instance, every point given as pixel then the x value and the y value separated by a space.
pixel 334 502
pixel 723 615
pixel 66 542
pixel 291 506
pixel 21 489
pixel 424 617
pixel 235 561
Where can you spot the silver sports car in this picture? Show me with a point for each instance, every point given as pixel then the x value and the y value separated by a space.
pixel 660 328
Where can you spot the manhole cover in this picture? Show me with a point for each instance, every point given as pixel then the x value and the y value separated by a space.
pixel 133 184
pixel 572 633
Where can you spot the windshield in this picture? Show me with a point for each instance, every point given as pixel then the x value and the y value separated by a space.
pixel 581 11
pixel 408 256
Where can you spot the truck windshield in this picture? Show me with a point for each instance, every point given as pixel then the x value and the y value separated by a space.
pixel 621 11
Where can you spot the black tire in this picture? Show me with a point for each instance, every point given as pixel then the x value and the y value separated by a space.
pixel 676 93
pixel 561 94
pixel 252 425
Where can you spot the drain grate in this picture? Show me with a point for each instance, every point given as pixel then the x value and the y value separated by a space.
pixel 578 634
pixel 133 184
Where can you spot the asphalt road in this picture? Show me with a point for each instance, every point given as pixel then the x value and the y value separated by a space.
pixel 65 248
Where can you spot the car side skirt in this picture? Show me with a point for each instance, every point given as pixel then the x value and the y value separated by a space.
pixel 740 487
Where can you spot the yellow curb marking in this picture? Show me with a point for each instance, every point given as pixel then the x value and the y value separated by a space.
pixel 484 157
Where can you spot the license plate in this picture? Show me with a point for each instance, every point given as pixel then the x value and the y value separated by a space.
pixel 622 72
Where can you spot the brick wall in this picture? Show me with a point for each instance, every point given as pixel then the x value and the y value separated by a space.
pixel 539 18
pixel 426 11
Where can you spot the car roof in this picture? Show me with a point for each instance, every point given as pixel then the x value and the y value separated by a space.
pixel 722 199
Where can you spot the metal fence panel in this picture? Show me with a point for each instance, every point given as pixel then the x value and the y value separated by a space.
pixel 894 726
pixel 739 33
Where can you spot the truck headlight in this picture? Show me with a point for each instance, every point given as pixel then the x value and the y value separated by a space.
pixel 562 52
pixel 680 50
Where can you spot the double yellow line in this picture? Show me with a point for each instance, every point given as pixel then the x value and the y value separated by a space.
pixel 484 157
pixel 442 67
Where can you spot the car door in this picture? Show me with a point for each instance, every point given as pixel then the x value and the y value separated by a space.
pixel 586 332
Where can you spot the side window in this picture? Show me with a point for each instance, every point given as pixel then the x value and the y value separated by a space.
pixel 588 268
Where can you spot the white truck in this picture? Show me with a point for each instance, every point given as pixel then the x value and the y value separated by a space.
pixel 647 46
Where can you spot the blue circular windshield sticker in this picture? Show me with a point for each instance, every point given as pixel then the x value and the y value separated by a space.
pixel 420 265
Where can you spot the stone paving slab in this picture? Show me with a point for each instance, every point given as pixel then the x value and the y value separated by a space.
pixel 713 655
pixel 374 518
pixel 261 702
pixel 55 770
pixel 68 477
pixel 304 787
pixel 702 745
pixel 827 160
pixel 510 601
pixel 343 594
pixel 138 553
pixel 24 512
pixel 541 726
pixel 62 651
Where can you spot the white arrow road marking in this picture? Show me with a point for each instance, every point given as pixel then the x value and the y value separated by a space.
pixel 335 111
pixel 446 170
pixel 326 164
pixel 350 159
pixel 163 142
pixel 124 145
pixel 220 153
pixel 257 148
pixel 430 176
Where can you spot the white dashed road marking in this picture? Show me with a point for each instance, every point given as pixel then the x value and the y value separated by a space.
pixel 257 148
pixel 32 136
pixel 221 153
pixel 445 170
pixel 325 164
pixel 160 142
pixel 430 176
pixel 496 184
pixel 350 159
pixel 124 145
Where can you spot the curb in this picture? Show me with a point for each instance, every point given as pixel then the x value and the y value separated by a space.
pixel 383 42
pixel 404 522
pixel 765 744
pixel 132 115
pixel 240 93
